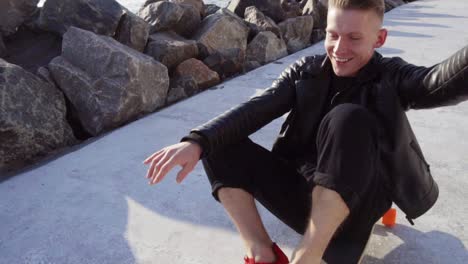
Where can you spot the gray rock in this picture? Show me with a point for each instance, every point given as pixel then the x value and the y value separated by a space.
pixel 317 35
pixel 227 63
pixel 219 32
pixel 32 22
pixel 318 10
pixel 133 31
pixel 32 117
pixel 204 76
pixel 108 83
pixel 296 32
pixel 227 12
pixel 258 22
pixel 251 65
pixel 45 75
pixel 211 9
pixel 99 16
pixel 180 88
pixel 271 8
pixel 32 49
pixel 148 2
pixel 13 13
pixel 189 22
pixel 161 15
pixel 71 115
pixel 291 8
pixel 3 50
pixel 171 49
pixel 197 4
pixel 266 47
pixel 192 12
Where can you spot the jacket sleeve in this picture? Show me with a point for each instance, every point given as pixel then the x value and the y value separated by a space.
pixel 241 121
pixel 443 84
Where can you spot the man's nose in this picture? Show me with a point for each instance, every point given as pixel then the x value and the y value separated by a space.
pixel 340 46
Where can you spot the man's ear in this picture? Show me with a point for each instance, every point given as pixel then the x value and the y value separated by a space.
pixel 381 38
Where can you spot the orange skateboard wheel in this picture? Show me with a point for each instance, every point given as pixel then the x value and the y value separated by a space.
pixel 389 218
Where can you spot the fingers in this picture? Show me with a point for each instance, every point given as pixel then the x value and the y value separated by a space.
pixel 150 158
pixel 184 172
pixel 162 170
pixel 155 160
pixel 164 160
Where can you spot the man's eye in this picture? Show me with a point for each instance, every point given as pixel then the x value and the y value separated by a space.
pixel 355 38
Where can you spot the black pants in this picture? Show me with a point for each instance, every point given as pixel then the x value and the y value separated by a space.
pixel 348 163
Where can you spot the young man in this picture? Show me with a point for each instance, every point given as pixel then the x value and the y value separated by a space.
pixel 345 151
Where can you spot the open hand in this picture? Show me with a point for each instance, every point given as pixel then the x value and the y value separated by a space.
pixel 185 154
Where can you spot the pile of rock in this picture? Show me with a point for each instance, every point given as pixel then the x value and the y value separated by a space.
pixel 74 69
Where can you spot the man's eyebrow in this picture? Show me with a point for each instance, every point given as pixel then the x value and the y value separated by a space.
pixel 350 33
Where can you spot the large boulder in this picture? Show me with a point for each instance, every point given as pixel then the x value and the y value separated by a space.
pixel 171 49
pixel 296 32
pixel 32 49
pixel 318 10
pixel 317 35
pixel 251 65
pixel 211 9
pixel 3 50
pixel 197 4
pixel 226 63
pixel 133 31
pixel 180 88
pixel 258 22
pixel 99 16
pixel 161 15
pixel 222 31
pixel 32 117
pixel 271 8
pixel 266 47
pixel 291 8
pixel 108 83
pixel 204 77
pixel 13 13
pixel 189 22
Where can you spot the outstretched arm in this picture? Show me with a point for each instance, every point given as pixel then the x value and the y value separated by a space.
pixel 443 84
pixel 230 127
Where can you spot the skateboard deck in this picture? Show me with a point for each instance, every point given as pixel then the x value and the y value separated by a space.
pixel 347 249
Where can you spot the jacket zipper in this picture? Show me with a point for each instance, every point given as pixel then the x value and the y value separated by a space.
pixel 333 98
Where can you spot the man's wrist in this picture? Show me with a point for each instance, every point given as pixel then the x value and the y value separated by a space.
pixel 199 141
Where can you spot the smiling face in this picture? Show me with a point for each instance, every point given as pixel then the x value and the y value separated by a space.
pixel 352 36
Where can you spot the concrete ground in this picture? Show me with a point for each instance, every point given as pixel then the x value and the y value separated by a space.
pixel 93 204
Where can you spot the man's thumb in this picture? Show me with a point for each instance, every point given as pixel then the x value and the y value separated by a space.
pixel 183 173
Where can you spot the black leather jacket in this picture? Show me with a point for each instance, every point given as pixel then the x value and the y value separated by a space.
pixel 389 86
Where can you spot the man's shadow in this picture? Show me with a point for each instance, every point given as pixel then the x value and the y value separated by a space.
pixel 416 247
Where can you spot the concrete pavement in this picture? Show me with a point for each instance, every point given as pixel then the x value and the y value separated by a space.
pixel 93 205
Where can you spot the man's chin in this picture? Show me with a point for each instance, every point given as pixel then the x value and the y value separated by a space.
pixel 340 72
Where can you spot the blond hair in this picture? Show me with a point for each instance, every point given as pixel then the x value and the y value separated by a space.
pixel 378 6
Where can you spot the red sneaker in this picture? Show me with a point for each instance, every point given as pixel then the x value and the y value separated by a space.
pixel 281 258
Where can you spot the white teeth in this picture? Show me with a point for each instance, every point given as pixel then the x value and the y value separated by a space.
pixel 341 59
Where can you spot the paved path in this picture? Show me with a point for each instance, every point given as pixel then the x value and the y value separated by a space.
pixel 93 205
